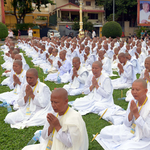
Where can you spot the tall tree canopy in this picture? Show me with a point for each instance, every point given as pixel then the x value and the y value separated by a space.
pixel 123 8
pixel 23 7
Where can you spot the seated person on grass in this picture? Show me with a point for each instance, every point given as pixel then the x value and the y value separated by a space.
pixel 17 80
pixel 78 77
pixel 64 128
pixel 134 134
pixel 33 102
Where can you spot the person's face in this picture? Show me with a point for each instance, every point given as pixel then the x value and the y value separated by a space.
pixel 54 53
pixel 146 7
pixel 96 70
pixel 121 59
pixel 87 51
pixel 13 55
pixel 31 78
pixel 58 103
pixel 147 64
pixel 101 54
pixel 62 56
pixel 138 91
pixel 76 63
pixel 17 68
pixel 128 57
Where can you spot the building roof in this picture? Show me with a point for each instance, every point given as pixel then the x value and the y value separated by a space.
pixel 67 5
pixel 76 9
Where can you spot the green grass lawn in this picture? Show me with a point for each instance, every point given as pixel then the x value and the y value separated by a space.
pixel 14 139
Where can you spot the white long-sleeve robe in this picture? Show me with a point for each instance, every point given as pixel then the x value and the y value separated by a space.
pixel 75 87
pixel 119 137
pixel 39 107
pixel 73 127
pixel 98 99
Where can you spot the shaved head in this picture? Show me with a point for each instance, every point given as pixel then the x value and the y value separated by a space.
pixel 148 58
pixel 122 55
pixel 18 57
pixel 144 84
pixel 33 71
pixel 76 58
pixel 60 92
pixel 19 62
pixel 15 52
pixel 98 63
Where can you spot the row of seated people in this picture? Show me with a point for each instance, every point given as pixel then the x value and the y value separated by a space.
pixel 96 85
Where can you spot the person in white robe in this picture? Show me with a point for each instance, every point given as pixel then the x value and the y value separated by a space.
pixel 134 62
pixel 64 129
pixel 33 101
pixel 78 76
pixel 140 57
pixel 18 79
pixel 106 63
pixel 134 133
pixel 126 72
pixel 145 13
pixel 99 91
pixel 88 59
pixel 145 74
pixel 8 81
pixel 64 66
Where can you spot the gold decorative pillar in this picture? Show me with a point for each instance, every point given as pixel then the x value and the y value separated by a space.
pixel 81 22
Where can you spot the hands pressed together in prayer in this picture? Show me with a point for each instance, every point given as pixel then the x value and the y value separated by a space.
pixel 75 74
pixel 137 56
pixel 94 84
pixel 133 111
pixel 59 64
pixel 50 60
pixel 121 70
pixel 16 80
pixel 54 123
pixel 85 57
pixel 29 92
pixel 146 75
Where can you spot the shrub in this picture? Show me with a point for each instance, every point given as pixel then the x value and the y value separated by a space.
pixel 15 32
pixel 24 26
pixel 112 29
pixel 139 30
pixel 3 31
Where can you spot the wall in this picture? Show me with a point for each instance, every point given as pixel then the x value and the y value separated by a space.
pixel 128 29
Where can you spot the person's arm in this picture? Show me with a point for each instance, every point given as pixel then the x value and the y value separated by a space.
pixel 106 90
pixel 88 83
pixel 42 98
pixel 83 77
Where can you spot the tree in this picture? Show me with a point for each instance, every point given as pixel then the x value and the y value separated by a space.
pixel 3 31
pixel 123 8
pixel 23 7
pixel 87 25
pixel 112 29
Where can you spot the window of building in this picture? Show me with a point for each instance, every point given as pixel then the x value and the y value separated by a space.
pixel 88 3
pixel 92 16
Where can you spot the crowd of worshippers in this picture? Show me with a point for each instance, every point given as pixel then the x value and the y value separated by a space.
pixel 85 65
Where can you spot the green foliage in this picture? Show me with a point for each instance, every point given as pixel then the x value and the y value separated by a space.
pixel 23 7
pixel 110 17
pixel 15 32
pixel 121 7
pixel 112 29
pixel 87 25
pixel 41 18
pixel 139 30
pixel 24 26
pixel 3 31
